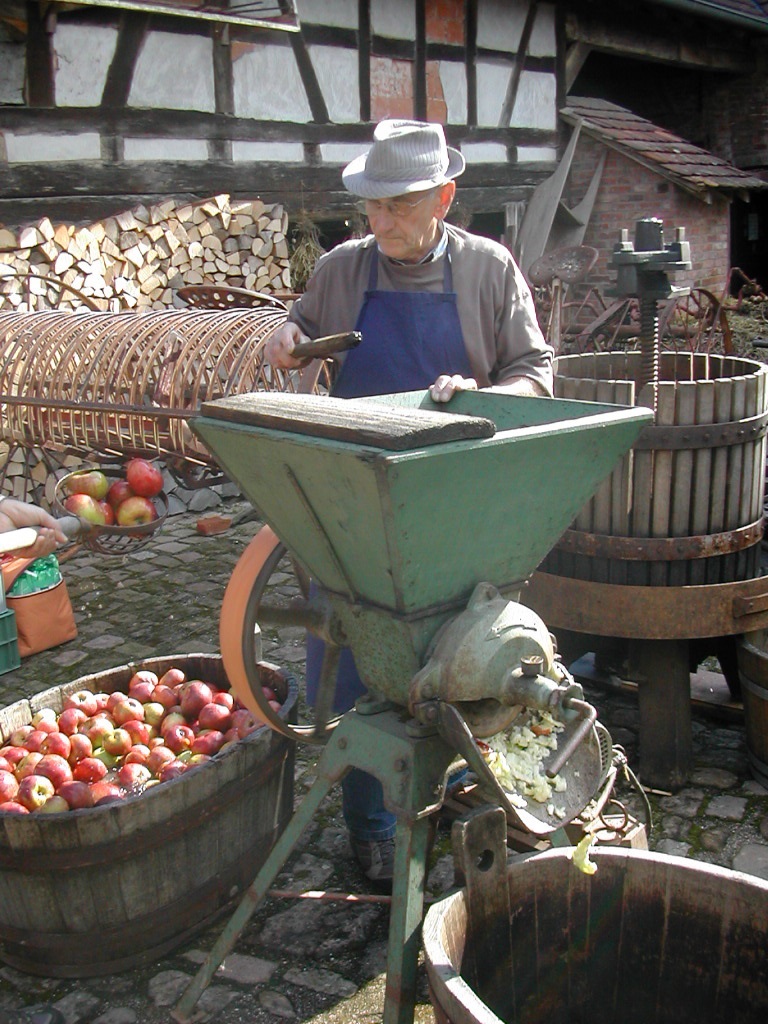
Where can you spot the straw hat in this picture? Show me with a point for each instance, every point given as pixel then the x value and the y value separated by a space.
pixel 406 156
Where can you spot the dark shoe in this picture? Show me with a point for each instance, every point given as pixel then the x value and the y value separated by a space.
pixel 32 1015
pixel 376 858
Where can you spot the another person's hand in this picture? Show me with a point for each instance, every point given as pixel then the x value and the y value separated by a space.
pixel 16 514
pixel 280 344
pixel 446 386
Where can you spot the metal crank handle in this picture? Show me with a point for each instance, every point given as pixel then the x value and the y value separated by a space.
pixel 321 348
pixel 588 716
pixel 15 540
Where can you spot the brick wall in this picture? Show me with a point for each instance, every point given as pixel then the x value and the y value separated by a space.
pixel 629 192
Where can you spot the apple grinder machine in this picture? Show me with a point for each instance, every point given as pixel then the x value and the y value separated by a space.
pixel 420 524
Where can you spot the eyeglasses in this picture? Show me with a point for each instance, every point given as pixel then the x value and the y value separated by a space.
pixel 396 208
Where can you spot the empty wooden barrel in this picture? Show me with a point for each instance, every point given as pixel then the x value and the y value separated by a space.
pixel 104 889
pixel 647 939
pixel 685 505
pixel 752 655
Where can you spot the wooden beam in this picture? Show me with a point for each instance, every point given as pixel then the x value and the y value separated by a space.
pixel 470 37
pixel 197 124
pixel 575 59
pixel 685 44
pixel 420 63
pixel 223 87
pixel 364 57
pixel 40 84
pixel 131 33
pixel 518 66
pixel 205 178
pixel 309 78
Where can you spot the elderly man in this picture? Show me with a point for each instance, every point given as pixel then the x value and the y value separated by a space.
pixel 437 308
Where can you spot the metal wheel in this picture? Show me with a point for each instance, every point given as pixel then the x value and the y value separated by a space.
pixel 696 322
pixel 244 606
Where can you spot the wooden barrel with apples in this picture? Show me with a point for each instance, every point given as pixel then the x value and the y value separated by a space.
pixel 98 890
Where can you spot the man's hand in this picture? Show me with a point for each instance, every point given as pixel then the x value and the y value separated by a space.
pixel 280 344
pixel 16 514
pixel 445 386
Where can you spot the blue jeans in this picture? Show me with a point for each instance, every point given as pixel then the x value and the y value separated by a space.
pixel 362 799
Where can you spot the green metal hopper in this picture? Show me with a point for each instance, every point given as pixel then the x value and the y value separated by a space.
pixel 411 529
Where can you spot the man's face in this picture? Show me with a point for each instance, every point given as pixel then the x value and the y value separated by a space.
pixel 407 227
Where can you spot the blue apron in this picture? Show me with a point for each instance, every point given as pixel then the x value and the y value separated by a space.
pixel 409 339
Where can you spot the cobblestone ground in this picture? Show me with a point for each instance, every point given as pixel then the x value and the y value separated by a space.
pixel 303 960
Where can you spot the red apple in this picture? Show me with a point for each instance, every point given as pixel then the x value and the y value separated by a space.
pixel 140 732
pixel 98 728
pixel 28 764
pixel 90 769
pixel 138 754
pixel 102 699
pixel 19 735
pixel 128 710
pixel 214 716
pixel 9 786
pixel 209 742
pixel 142 689
pixel 13 755
pixel 34 790
pixel 5 764
pixel 118 491
pixel 194 696
pixel 45 719
pixel 104 792
pixel 178 738
pixel 83 699
pixel 117 743
pixel 115 698
pixel 76 793
pixel 164 695
pixel 133 776
pixel 85 507
pixel 245 722
pixel 225 698
pixel 70 719
pixel 57 743
pixel 172 770
pixel 136 511
pixel 198 759
pixel 81 747
pixel 108 512
pixel 56 768
pixel 35 739
pixel 143 478
pixel 159 756
pixel 91 482
pixel 13 807
pixel 172 677
pixel 172 718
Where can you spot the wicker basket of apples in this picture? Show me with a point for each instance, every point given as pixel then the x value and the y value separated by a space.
pixel 135 806
pixel 118 511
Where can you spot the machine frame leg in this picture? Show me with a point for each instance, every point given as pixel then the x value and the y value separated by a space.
pixel 661 669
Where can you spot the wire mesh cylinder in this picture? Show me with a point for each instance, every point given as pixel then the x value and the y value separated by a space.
pixel 122 383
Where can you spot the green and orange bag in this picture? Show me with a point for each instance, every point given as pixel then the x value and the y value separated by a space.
pixel 37 594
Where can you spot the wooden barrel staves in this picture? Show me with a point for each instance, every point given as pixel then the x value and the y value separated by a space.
pixel 752 655
pixel 685 505
pixel 104 889
pixel 646 937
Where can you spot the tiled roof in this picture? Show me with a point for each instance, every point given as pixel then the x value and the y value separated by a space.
pixel 690 166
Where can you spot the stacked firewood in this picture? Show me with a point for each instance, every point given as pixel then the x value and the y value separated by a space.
pixel 137 259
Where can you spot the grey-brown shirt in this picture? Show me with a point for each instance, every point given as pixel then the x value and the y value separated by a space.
pixel 501 334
